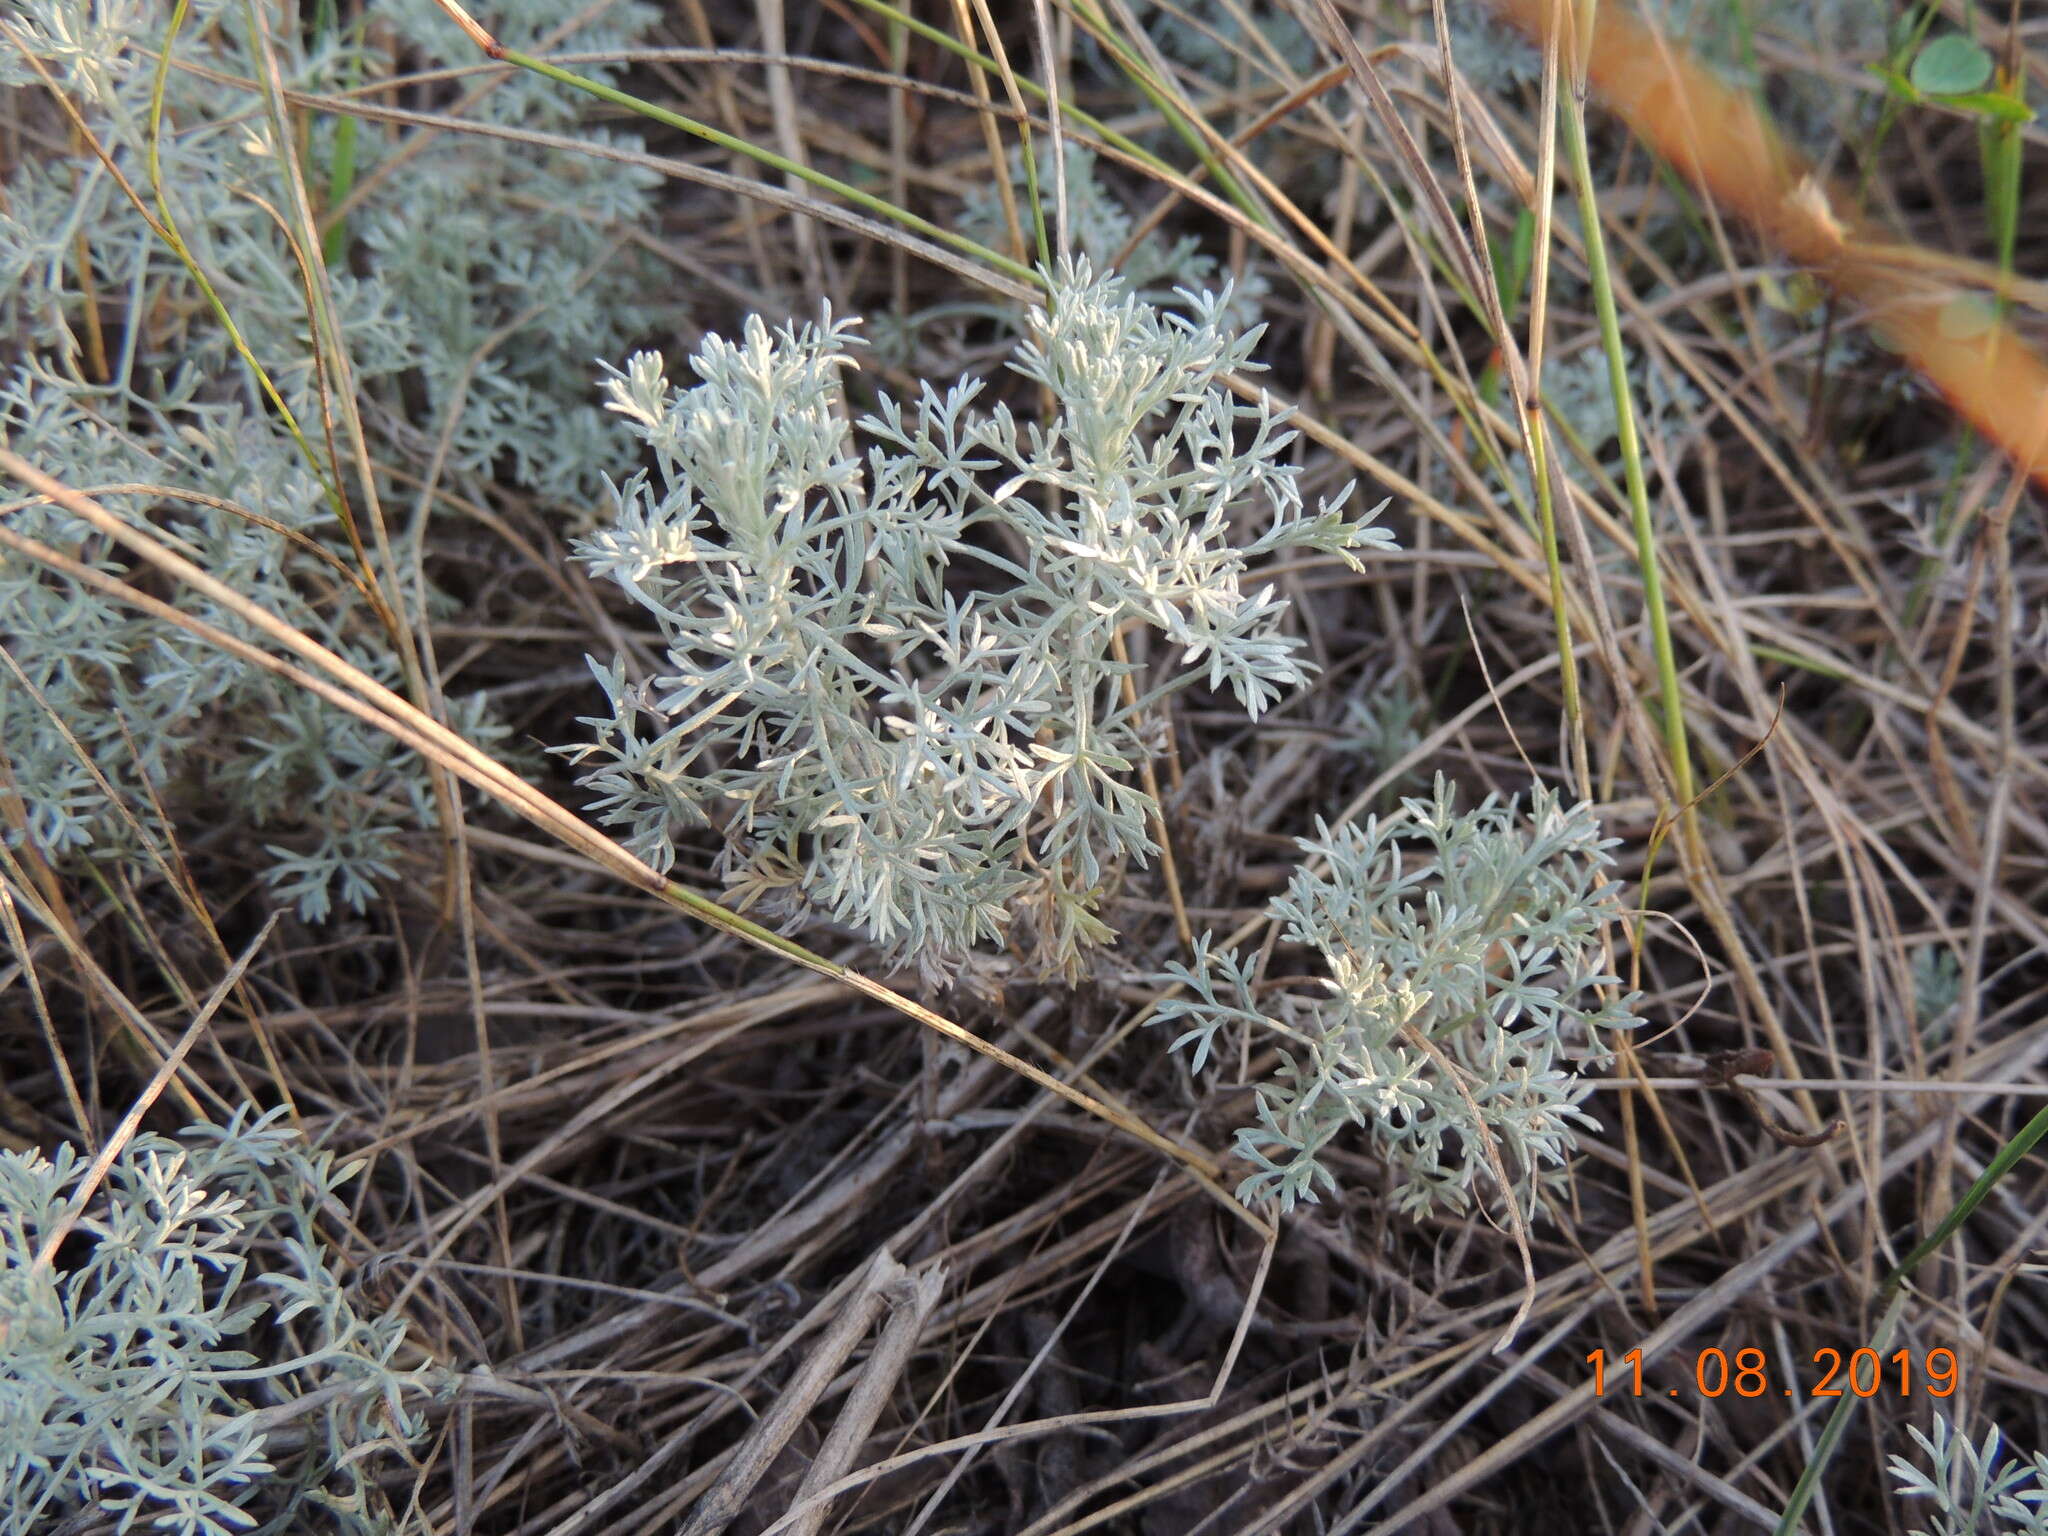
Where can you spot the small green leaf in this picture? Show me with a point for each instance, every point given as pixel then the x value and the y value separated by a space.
pixel 1951 66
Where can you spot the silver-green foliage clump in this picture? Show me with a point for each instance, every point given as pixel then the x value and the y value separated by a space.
pixel 1968 1490
pixel 892 676
pixel 1461 960
pixel 488 270
pixel 475 282
pixel 514 264
pixel 114 725
pixel 189 1362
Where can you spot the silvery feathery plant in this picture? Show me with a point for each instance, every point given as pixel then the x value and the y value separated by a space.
pixel 1968 1490
pixel 111 724
pixel 894 678
pixel 189 1361
pixel 487 270
pixel 115 726
pixel 513 264
pixel 1460 959
pixel 78 257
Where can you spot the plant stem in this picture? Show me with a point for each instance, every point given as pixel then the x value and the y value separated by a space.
pixel 1602 280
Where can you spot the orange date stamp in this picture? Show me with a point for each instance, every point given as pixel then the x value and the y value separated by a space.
pixel 1747 1373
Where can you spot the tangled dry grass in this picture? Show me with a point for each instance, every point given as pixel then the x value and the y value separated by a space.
pixel 699 1240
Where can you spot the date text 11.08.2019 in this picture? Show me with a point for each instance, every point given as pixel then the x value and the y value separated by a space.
pixel 1747 1373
